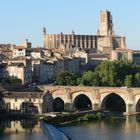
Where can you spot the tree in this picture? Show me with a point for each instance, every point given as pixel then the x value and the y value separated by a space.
pixel 137 79
pixel 113 73
pixel 65 78
pixel 107 73
pixel 128 80
pixel 87 78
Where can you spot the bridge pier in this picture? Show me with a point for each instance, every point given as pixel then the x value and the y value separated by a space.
pixel 68 107
pixel 95 106
pixel 130 109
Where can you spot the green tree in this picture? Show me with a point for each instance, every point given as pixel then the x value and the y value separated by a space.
pixel 113 73
pixel 128 80
pixel 89 78
pixel 137 79
pixel 107 73
pixel 66 78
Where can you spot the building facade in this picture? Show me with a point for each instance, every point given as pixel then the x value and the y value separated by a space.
pixel 20 71
pixel 27 102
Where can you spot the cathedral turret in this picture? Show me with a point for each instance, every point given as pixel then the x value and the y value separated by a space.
pixel 44 31
pixel 44 37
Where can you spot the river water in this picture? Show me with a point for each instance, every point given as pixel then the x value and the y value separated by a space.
pixel 109 129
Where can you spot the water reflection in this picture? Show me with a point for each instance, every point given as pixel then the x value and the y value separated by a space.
pixel 2 127
pixel 127 128
pixel 20 130
pixel 110 129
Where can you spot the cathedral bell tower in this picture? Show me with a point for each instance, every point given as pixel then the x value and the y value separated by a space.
pixel 106 23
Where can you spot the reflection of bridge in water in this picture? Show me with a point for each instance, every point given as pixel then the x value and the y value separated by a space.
pixel 79 97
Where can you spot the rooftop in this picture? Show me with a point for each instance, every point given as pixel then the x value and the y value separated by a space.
pixel 19 95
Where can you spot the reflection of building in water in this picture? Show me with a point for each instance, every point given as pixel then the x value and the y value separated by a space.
pixel 28 126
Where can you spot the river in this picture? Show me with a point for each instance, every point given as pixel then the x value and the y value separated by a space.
pixel 109 129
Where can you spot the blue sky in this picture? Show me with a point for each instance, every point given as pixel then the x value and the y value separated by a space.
pixel 21 19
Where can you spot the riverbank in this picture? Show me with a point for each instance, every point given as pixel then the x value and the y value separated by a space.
pixel 65 119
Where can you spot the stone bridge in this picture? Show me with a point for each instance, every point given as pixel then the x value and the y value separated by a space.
pixel 79 97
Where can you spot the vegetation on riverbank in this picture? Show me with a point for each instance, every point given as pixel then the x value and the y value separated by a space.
pixel 73 118
pixel 89 117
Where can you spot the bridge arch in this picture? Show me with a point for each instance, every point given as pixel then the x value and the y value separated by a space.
pixel 137 102
pixel 58 105
pixel 114 102
pixel 138 106
pixel 58 93
pixel 82 102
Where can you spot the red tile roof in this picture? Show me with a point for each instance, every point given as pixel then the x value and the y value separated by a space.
pixel 20 47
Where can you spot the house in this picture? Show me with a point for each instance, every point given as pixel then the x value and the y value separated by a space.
pixel 20 71
pixel 43 71
pixel 28 102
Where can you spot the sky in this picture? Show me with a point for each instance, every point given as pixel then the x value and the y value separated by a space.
pixel 24 19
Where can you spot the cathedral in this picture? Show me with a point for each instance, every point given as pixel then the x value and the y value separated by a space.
pixel 106 41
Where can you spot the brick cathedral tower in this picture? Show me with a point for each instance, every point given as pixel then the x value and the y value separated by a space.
pixel 106 23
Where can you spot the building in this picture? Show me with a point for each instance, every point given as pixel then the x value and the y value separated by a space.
pixel 3 71
pixel 43 71
pixel 120 54
pixel 20 71
pixel 35 53
pixel 95 59
pixel 105 41
pixel 6 51
pixel 136 57
pixel 21 50
pixel 67 64
pixel 28 102
pixel 25 102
